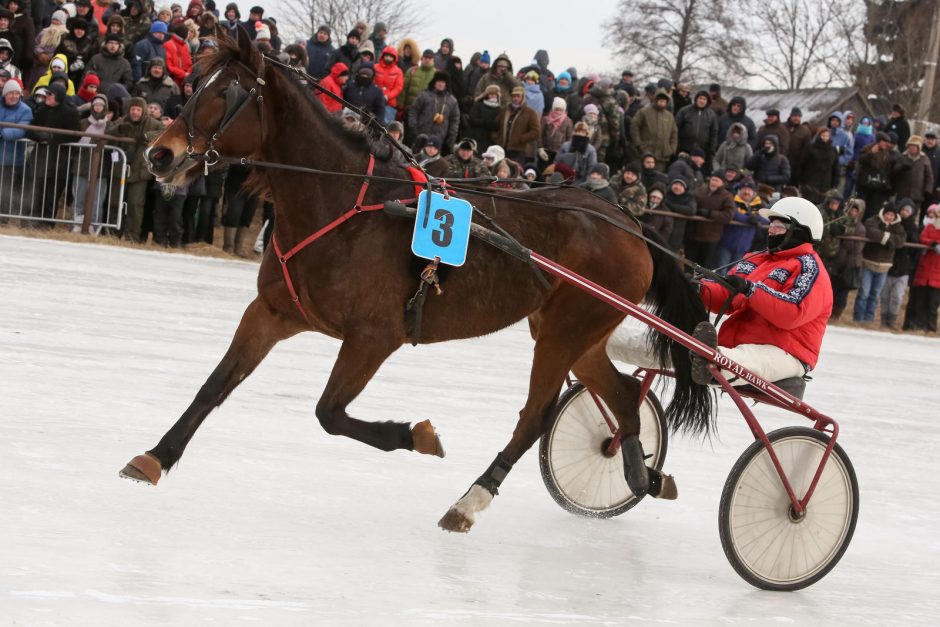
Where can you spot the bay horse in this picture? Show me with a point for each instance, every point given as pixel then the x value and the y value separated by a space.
pixel 353 283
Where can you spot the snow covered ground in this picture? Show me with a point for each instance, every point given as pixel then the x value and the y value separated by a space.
pixel 269 520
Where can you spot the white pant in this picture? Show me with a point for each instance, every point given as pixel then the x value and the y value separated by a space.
pixel 628 344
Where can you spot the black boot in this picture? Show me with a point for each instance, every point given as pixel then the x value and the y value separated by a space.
pixel 705 333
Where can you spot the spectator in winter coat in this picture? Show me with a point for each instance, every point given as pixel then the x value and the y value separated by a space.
pixel 47 41
pixel 149 48
pixel 820 167
pixel 650 175
pixel 57 113
pixel 179 63
pixel 578 154
pixel 631 195
pixel 735 151
pixel 464 164
pixel 58 65
pixel 718 104
pixel 25 29
pixel 712 201
pixel 689 167
pixel 598 183
pixel 925 288
pixel 157 87
pixel 378 35
pixel 6 59
pixel 519 128
pixel 483 120
pixel 842 140
pixel 914 178
pixel 334 84
pixel 348 53
pixel 408 52
pixel 110 64
pixel 737 237
pixel 897 124
pixel 698 126
pixel 500 74
pixel 389 77
pixel 443 54
pixel 800 137
pixel 136 125
pixel 436 112
pixel 878 166
pixel 366 53
pixel 885 234
pixel 773 125
pixel 768 165
pixel 478 66
pixel 864 136
pixel 609 120
pixel 679 199
pixel 85 11
pixel 362 91
pixel 557 128
pixel 416 80
pixel 14 110
pixel 320 52
pixel 533 93
pixel 737 112
pixel 77 47
pixel 905 262
pixel 661 224
pixel 843 257
pixel 654 130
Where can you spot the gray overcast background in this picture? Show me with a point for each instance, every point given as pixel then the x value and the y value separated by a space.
pixel 571 33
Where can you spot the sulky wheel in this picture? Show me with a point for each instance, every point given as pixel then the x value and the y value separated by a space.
pixel 765 543
pixel 577 473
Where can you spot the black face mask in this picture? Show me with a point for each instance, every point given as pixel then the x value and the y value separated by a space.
pixel 363 80
pixel 579 143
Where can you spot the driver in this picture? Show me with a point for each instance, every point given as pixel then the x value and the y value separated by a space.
pixel 780 301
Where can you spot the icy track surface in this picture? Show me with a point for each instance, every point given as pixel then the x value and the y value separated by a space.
pixel 271 521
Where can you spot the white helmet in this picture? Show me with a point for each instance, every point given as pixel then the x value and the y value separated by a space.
pixel 799 211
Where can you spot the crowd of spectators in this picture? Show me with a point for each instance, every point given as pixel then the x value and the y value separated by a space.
pixel 693 166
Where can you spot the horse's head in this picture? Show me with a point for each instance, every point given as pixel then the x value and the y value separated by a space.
pixel 223 116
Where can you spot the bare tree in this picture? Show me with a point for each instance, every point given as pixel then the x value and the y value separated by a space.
pixel 684 40
pixel 301 18
pixel 793 41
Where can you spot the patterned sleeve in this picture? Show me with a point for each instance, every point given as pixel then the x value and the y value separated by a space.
pixel 794 304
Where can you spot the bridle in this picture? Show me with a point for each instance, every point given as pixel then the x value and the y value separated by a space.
pixel 237 99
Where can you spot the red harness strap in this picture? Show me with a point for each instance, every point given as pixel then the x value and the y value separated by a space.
pixel 283 258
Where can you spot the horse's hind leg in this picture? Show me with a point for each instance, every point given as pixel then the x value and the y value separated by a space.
pixel 260 329
pixel 358 360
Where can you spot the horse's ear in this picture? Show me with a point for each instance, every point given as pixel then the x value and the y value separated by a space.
pixel 247 52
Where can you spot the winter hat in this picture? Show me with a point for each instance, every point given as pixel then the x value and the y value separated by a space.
pixel 74 23
pixel 535 174
pixel 916 140
pixel 263 33
pixel 348 113
pixel 604 83
pixel 60 16
pixel 796 112
pixel 324 29
pixel 467 143
pixel 635 167
pixel 440 75
pixel 531 75
pixel 559 104
pixel 567 77
pixel 380 27
pixel 773 112
pixel 747 182
pixel 56 89
pixel 428 53
pixel 158 27
pixel 496 153
pixel 581 129
pixel 157 61
pixel 69 8
pixel 57 64
pixel 485 57
pixel 882 137
pixel 60 76
pixel 490 89
pixel 257 10
pixel 367 46
pixel 697 152
pixel 231 6
pixel 602 169
pixel 397 126
pixel 353 33
pixel 591 108
pixel 661 94
pixel 12 86
pixel 893 137
pixel 518 91
pixel 681 180
pixel 112 37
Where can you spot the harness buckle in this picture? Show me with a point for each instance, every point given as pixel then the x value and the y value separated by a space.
pixel 212 157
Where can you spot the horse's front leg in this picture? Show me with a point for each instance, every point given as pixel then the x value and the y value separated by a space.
pixel 261 327
pixel 359 359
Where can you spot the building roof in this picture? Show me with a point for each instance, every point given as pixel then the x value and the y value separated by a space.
pixel 816 104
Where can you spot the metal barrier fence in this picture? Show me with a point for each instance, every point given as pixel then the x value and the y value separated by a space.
pixel 43 183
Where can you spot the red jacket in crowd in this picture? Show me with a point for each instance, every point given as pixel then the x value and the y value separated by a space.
pixel 389 77
pixel 788 307
pixel 179 63
pixel 331 84
pixel 928 270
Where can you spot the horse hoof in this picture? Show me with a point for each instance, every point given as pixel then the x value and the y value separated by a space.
pixel 663 486
pixel 455 521
pixel 425 439
pixel 143 468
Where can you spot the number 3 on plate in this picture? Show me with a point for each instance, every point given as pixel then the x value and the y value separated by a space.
pixel 442 228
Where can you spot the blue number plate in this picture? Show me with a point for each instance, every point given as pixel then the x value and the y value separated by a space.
pixel 442 228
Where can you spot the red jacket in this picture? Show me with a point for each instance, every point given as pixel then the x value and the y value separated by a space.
pixel 179 63
pixel 788 306
pixel 331 84
pixel 389 77
pixel 928 270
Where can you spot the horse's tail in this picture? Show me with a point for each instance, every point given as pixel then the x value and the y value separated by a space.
pixel 675 300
